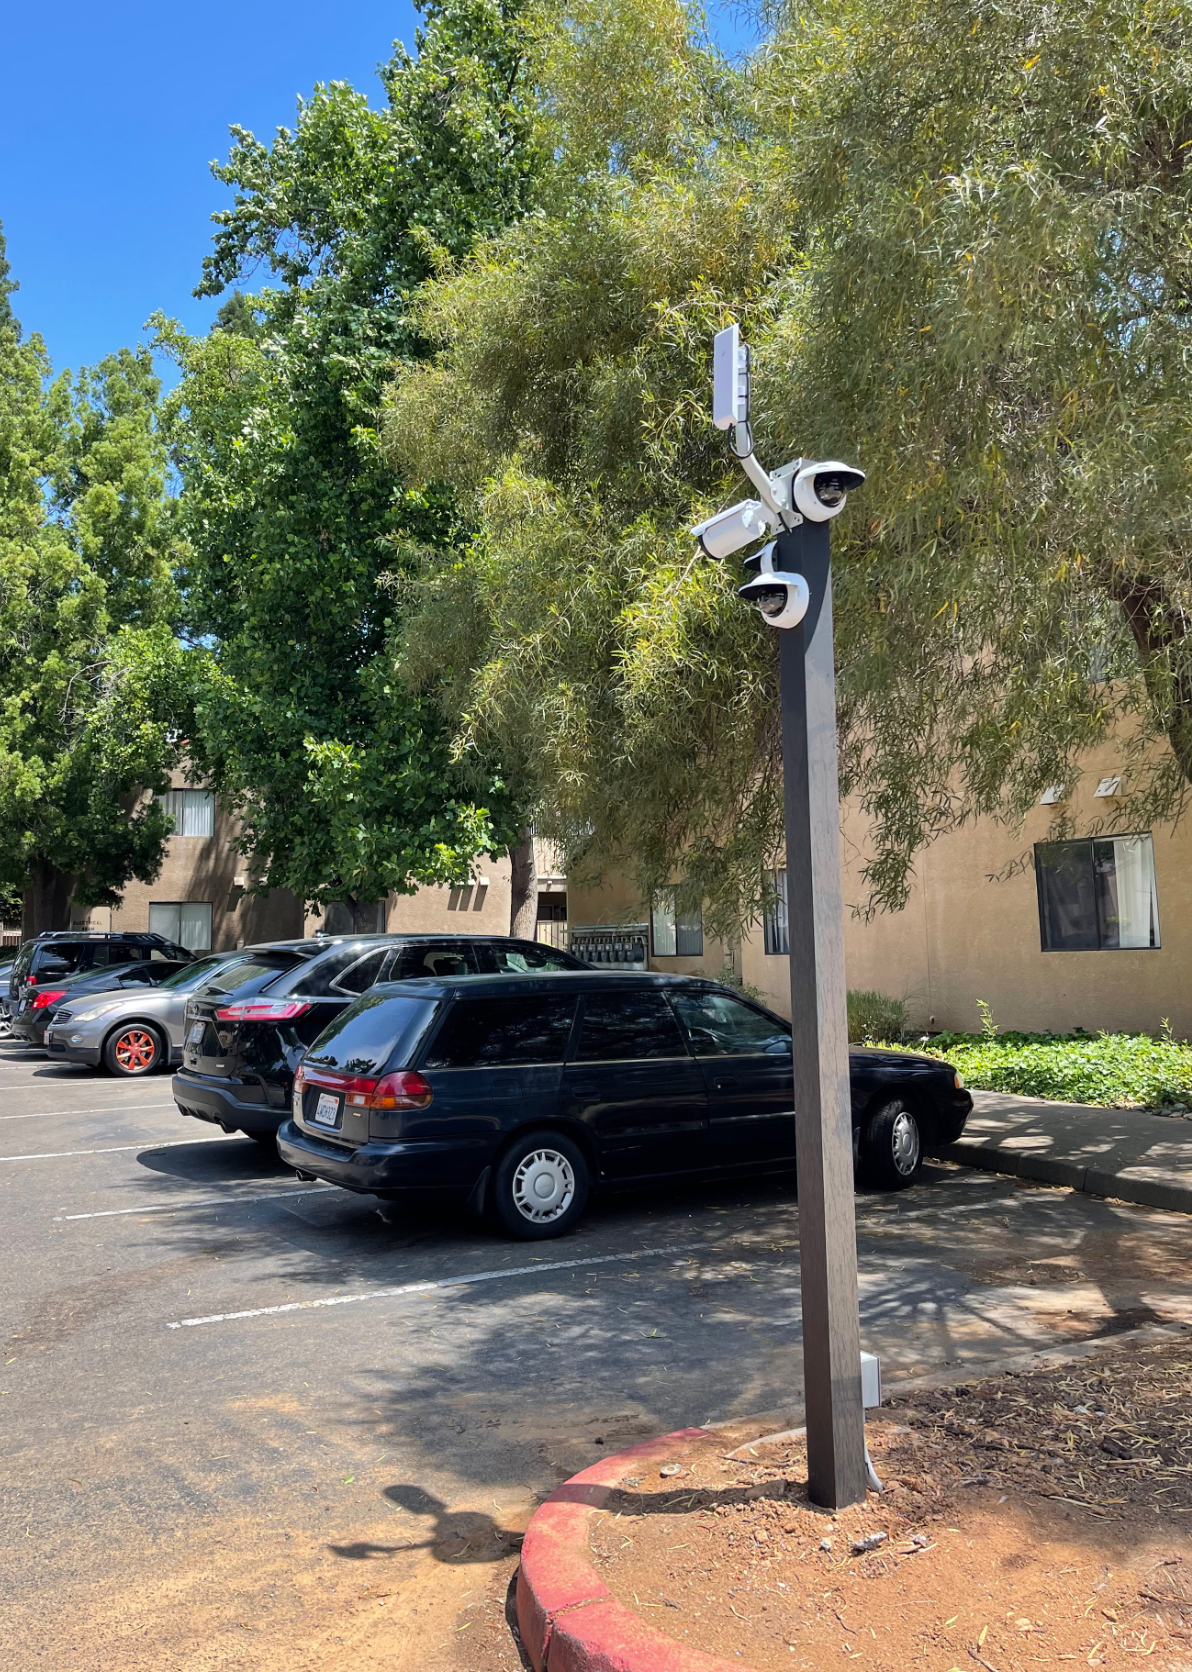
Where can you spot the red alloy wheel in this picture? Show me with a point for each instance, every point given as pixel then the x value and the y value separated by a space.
pixel 136 1051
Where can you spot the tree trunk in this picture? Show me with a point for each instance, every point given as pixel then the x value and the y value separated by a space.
pixel 46 904
pixel 523 903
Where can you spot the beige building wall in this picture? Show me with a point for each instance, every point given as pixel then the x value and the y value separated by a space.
pixel 616 901
pixel 206 868
pixel 964 935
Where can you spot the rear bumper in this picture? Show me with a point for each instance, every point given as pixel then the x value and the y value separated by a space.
pixel 209 1100
pixel 445 1168
pixel 31 1027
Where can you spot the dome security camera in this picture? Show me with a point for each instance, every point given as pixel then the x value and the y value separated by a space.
pixel 820 490
pixel 781 599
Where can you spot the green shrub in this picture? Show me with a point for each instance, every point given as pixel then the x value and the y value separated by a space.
pixel 1115 1070
pixel 875 1016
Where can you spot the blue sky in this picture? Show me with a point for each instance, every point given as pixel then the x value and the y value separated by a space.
pixel 111 115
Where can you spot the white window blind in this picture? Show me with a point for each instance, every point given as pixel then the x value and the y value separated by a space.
pixel 675 935
pixel 775 924
pixel 186 922
pixel 193 811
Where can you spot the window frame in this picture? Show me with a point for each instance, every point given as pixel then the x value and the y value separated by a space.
pixel 1090 844
pixel 176 939
pixel 175 801
pixel 776 932
pixel 675 925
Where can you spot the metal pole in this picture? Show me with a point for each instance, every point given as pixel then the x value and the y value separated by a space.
pixel 823 1115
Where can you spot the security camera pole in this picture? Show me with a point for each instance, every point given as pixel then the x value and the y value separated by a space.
pixel 793 589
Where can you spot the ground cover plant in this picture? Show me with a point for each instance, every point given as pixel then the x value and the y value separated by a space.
pixel 1118 1070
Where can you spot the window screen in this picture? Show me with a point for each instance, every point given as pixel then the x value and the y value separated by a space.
pixel 720 1025
pixel 186 922
pixel 193 811
pixel 1097 896
pixel 775 930
pixel 481 1032
pixel 621 1027
pixel 675 934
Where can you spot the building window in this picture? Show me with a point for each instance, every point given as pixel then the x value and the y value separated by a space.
pixel 186 922
pixel 674 935
pixel 1097 895
pixel 193 811
pixel 774 923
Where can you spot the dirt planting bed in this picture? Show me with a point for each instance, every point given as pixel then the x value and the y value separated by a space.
pixel 1027 1520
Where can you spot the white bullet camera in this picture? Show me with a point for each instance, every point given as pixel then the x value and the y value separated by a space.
pixel 728 531
pixel 780 598
pixel 820 490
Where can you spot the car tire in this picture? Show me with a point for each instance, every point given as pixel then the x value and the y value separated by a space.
pixel 891 1147
pixel 540 1187
pixel 134 1050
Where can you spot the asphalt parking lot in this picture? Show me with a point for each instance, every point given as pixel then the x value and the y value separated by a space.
pixel 249 1422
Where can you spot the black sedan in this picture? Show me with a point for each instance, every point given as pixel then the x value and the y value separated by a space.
pixel 36 1008
pixel 519 1096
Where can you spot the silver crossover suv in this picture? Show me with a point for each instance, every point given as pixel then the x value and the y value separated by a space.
pixel 131 1033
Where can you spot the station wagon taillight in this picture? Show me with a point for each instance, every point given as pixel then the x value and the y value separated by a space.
pixel 262 1010
pixel 402 1090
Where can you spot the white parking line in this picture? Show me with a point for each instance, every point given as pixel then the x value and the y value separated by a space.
pixel 206 1202
pixel 442 1283
pixel 111 1109
pixel 111 1149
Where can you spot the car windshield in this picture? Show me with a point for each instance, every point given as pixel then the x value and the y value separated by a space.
pixel 194 972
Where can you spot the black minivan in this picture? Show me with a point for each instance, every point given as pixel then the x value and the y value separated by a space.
pixel 249 1025
pixel 518 1095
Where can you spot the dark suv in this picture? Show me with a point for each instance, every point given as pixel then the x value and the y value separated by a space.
pixel 248 1028
pixel 519 1095
pixel 68 952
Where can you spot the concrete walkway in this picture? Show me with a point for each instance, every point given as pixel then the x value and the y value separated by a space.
pixel 1127 1154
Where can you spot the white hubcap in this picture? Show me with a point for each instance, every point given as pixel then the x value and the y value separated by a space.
pixel 543 1186
pixel 905 1143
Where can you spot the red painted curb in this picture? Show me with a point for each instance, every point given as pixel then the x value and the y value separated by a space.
pixel 568 1619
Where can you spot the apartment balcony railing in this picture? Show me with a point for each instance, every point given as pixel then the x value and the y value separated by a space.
pixel 552 933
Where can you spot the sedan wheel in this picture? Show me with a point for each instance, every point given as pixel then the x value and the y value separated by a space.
pixel 892 1148
pixel 132 1051
pixel 540 1187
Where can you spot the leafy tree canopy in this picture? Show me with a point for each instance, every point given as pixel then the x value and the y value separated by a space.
pixel 91 679
pixel 300 537
pixel 956 236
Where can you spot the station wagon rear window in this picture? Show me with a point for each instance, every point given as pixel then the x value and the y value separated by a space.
pixel 377 1030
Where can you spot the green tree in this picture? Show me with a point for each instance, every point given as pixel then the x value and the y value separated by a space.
pixel 301 541
pixel 91 679
pixel 956 238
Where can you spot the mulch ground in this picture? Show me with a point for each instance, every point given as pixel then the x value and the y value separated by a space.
pixel 1026 1520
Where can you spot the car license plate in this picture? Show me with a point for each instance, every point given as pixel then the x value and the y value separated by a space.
pixel 326 1110
pixel 196 1032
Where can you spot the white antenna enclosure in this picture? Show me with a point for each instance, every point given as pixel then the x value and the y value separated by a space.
pixel 730 379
